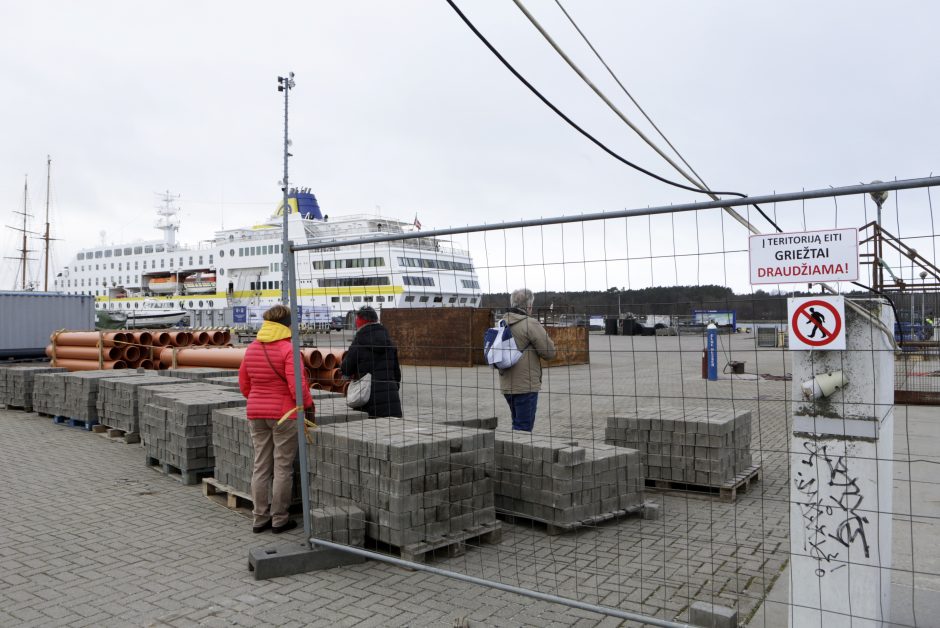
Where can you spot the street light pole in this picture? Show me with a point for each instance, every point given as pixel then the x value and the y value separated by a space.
pixel 285 84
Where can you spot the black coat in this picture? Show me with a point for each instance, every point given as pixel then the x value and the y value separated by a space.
pixel 372 352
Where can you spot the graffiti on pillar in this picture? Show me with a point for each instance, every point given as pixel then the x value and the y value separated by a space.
pixel 833 524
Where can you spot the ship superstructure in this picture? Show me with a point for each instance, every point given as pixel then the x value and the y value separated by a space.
pixel 242 267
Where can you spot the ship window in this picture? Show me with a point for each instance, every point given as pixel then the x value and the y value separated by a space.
pixel 241 252
pixel 345 299
pixel 368 299
pixel 135 265
pixel 221 271
pixel 190 304
pixel 423 299
pixel 210 303
pixel 463 299
pixel 251 250
pixel 171 262
pixel 452 300
pixel 136 305
pixel 127 251
pixel 112 265
pixel 380 299
pixel 210 259
pixel 190 261
pixel 473 300
pixel 161 263
pixel 231 252
pixel 409 299
pixel 438 299
pixel 96 267
pixel 334 299
pixel 81 256
pixel 410 280
pixel 97 254
pixel 159 248
pixel 148 249
pixel 353 281
pixel 145 264
pixel 470 283
pixel 118 252
pixel 138 250
pixel 277 248
pixel 251 286
pixel 264 285
pixel 200 304
pixel 200 260
pixel 221 254
pixel 107 253
pixel 355 263
pixel 357 299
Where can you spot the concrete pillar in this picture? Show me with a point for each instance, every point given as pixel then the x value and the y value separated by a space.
pixel 841 479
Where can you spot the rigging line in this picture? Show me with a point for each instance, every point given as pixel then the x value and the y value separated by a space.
pixel 574 124
pixel 697 180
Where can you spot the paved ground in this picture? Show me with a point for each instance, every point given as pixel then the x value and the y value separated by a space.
pixel 93 537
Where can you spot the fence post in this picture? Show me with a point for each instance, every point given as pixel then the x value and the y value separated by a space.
pixel 841 477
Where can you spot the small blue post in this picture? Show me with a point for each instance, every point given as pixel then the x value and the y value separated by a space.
pixel 711 345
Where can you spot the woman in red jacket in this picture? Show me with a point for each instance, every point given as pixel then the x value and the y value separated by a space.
pixel 266 378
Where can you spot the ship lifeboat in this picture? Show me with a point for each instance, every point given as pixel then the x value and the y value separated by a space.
pixel 163 285
pixel 200 283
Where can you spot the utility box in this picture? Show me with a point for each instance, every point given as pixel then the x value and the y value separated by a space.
pixel 29 318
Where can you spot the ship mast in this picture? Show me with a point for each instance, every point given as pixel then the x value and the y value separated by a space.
pixel 46 236
pixel 24 251
pixel 168 223
pixel 285 84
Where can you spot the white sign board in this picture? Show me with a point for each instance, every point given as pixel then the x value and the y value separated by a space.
pixel 804 257
pixel 816 323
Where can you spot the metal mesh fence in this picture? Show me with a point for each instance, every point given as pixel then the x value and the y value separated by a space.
pixel 643 486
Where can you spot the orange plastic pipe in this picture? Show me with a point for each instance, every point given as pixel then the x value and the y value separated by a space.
pixel 145 364
pixel 84 353
pixel 160 339
pixel 332 357
pixel 217 357
pixel 90 365
pixel 143 337
pixel 316 358
pixel 201 338
pixel 131 353
pixel 216 338
pixel 87 338
pixel 226 337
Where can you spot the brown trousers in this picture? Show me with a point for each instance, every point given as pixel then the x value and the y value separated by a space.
pixel 275 449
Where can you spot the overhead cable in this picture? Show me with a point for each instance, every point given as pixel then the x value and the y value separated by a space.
pixel 696 180
pixel 575 125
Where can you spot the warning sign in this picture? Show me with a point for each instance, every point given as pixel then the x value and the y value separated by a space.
pixel 816 323
pixel 804 257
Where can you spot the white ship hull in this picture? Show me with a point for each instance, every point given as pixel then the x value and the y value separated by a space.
pixel 150 320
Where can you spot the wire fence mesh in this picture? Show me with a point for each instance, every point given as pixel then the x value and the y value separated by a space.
pixel 643 486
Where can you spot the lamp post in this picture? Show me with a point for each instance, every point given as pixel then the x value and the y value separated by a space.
pixel 923 302
pixel 285 84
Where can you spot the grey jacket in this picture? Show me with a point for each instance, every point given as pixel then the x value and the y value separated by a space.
pixel 532 339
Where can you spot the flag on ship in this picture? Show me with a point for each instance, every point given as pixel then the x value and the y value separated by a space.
pixel 417 223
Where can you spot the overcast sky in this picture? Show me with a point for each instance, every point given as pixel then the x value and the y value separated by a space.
pixel 399 106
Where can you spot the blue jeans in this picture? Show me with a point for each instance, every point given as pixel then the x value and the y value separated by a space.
pixel 522 408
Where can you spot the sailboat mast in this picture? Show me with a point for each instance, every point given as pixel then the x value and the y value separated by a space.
pixel 24 250
pixel 46 236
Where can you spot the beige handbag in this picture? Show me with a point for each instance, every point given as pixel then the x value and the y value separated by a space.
pixel 359 391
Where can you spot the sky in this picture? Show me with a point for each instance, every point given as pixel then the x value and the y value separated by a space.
pixel 398 108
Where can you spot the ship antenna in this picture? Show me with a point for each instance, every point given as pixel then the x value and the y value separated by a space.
pixel 285 84
pixel 169 222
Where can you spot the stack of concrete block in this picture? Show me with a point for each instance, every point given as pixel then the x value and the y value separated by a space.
pixel 339 524
pixel 414 481
pixel 564 483
pixel 49 393
pixel 118 405
pixel 231 445
pixel 706 447
pixel 330 408
pixel 16 384
pixel 176 424
pixel 81 393
pixel 230 381
pixel 198 372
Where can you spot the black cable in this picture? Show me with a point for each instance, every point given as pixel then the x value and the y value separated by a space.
pixel 583 132
pixel 884 296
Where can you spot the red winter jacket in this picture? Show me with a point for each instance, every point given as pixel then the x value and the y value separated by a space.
pixel 269 395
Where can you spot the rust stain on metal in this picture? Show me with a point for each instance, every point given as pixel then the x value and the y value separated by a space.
pixel 440 336
pixel 571 346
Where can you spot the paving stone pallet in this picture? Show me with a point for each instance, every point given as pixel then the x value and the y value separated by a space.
pixel 49 394
pixel 198 373
pixel 339 524
pixel 230 381
pixel 700 447
pixel 565 484
pixel 415 482
pixel 176 426
pixel 81 393
pixel 16 384
pixel 727 492
pixel 118 406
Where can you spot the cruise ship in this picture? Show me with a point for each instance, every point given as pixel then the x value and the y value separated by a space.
pixel 236 275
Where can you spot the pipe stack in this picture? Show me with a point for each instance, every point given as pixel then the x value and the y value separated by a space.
pixel 178 349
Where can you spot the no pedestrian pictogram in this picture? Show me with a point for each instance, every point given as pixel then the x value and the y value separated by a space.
pixel 817 323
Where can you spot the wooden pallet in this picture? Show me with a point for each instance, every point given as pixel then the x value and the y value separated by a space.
pixel 726 492
pixel 20 408
pixel 111 433
pixel 188 477
pixel 453 544
pixel 227 496
pixel 554 528
pixel 64 420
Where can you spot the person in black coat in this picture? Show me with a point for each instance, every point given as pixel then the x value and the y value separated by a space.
pixel 372 351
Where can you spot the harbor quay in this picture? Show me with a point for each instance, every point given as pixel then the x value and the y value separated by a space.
pixel 92 536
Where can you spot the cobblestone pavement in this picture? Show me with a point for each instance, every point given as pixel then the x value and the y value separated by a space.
pixel 93 537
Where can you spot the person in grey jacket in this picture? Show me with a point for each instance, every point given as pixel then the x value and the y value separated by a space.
pixel 520 384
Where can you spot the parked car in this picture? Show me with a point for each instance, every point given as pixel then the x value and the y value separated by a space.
pixel 338 323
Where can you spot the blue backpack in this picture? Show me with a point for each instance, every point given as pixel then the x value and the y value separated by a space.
pixel 499 347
